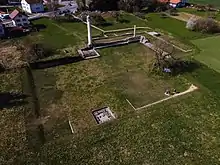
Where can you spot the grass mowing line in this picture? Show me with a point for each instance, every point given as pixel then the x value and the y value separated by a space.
pixel 191 89
pixel 64 29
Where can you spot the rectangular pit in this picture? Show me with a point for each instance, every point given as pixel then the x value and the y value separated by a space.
pixel 103 115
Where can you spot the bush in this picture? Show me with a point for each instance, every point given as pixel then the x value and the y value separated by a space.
pixel 36 51
pixel 97 19
pixel 204 25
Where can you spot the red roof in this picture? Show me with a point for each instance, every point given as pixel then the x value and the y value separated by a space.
pixel 171 1
pixel 175 1
pixel 33 1
pixel 14 14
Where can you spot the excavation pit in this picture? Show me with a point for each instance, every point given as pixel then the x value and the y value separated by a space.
pixel 88 53
pixel 103 115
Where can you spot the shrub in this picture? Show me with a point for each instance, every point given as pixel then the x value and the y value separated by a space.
pixel 97 19
pixel 204 25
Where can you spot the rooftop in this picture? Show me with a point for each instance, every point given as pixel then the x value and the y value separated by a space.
pixel 34 1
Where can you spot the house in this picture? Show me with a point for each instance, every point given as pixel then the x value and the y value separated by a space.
pixel 8 23
pixel 19 18
pixel 2 30
pixel 32 6
pixel 175 3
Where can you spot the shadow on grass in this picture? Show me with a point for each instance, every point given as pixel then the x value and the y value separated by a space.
pixel 39 27
pixel 105 24
pixel 9 100
pixel 182 67
pixel 55 62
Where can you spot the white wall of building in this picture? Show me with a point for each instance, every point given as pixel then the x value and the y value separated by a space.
pixel 25 6
pixel 10 23
pixel 32 8
pixel 21 20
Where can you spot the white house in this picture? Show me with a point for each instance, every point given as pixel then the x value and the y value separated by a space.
pixel 9 23
pixel 2 31
pixel 19 18
pixel 32 6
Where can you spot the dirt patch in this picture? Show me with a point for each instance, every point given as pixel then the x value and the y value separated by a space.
pixel 10 57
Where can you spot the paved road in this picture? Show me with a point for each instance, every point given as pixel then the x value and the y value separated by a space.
pixel 69 6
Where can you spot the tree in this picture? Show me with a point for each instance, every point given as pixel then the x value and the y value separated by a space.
pixel 204 25
pixel 103 5
pixel 82 4
pixel 164 55
pixel 52 6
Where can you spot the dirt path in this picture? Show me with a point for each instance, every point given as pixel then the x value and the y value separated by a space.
pixel 191 89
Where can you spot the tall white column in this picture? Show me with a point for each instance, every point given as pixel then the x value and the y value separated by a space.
pixel 134 30
pixel 89 32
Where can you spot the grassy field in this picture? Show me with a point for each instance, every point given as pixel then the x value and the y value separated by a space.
pixel 62 34
pixel 200 13
pixel 13 131
pixel 209 53
pixel 184 130
pixel 215 3
pixel 120 74
pixel 176 27
pixel 181 131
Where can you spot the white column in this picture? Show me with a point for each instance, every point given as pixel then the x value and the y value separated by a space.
pixel 134 30
pixel 89 32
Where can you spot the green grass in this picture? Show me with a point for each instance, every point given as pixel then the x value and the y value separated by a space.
pixel 215 3
pixel 179 131
pixel 173 26
pixel 200 13
pixel 12 124
pixel 183 130
pixel 129 22
pixel 61 35
pixel 209 52
pixel 176 27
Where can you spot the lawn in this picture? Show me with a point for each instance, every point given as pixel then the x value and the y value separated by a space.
pixel 200 13
pixel 215 3
pixel 209 52
pixel 12 123
pixel 121 73
pixel 62 34
pixel 155 21
pixel 173 26
pixel 127 21
pixel 181 131
pixel 184 130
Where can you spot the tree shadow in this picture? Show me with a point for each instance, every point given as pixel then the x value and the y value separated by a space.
pixel 39 27
pixel 105 24
pixel 123 20
pixel 182 67
pixel 55 62
pixel 9 100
